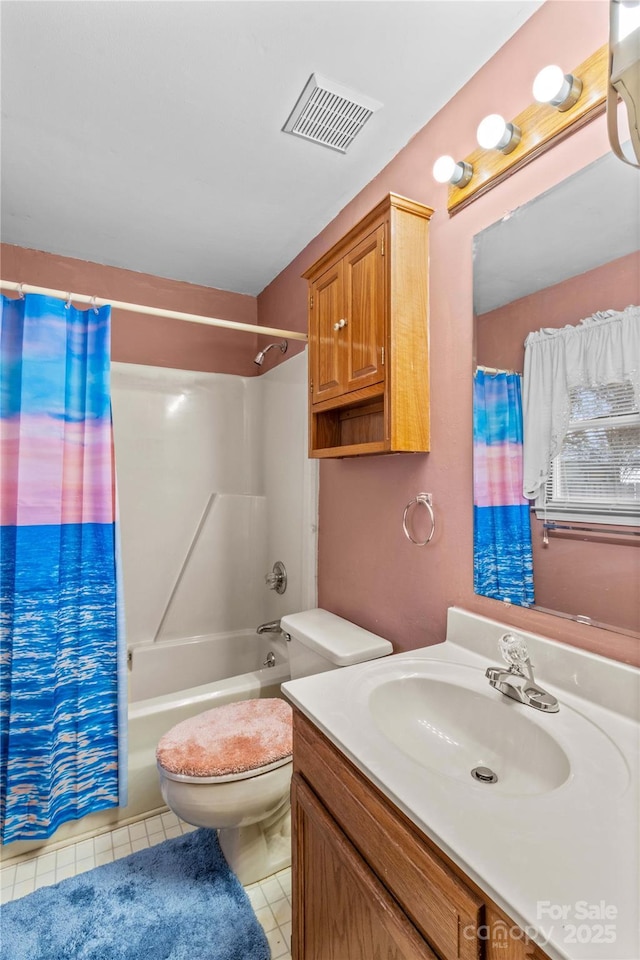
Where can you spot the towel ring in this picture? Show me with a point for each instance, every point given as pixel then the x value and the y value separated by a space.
pixel 426 500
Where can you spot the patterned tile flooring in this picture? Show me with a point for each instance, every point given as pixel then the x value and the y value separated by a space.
pixel 270 898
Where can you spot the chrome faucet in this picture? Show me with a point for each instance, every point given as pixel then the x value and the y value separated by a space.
pixel 518 681
pixel 272 626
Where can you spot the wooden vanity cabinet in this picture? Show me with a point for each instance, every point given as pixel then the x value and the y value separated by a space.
pixel 367 883
pixel 368 336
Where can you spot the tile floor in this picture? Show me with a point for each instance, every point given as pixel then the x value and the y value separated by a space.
pixel 270 898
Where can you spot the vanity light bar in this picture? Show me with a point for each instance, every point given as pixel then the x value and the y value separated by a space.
pixel 564 103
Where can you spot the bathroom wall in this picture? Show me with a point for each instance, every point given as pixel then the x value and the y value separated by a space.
pixel 367 570
pixel 568 572
pixel 138 338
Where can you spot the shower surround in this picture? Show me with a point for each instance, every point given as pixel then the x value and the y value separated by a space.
pixel 213 487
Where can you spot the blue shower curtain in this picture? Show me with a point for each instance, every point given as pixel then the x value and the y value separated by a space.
pixel 503 563
pixel 63 662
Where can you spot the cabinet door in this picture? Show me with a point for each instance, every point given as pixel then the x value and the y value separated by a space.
pixel 365 307
pixel 341 911
pixel 326 345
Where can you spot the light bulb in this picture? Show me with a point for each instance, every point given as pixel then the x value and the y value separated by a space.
pixel 443 169
pixel 446 170
pixel 548 84
pixel 494 133
pixel 556 88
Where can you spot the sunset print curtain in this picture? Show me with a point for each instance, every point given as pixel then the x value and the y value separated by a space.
pixel 502 561
pixel 62 708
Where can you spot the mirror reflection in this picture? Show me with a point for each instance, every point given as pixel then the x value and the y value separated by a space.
pixel 563 274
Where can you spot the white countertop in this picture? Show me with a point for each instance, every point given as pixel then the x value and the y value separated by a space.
pixel 563 864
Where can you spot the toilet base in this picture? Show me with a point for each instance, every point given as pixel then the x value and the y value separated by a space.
pixel 260 849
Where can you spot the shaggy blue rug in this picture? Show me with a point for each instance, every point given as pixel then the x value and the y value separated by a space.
pixel 175 901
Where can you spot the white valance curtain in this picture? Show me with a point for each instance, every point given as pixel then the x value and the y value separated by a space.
pixel 601 349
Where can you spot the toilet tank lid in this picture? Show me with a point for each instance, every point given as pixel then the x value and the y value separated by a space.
pixel 335 638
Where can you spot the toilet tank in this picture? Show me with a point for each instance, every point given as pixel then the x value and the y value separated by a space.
pixel 318 640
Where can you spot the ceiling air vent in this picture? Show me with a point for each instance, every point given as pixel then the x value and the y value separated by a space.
pixel 329 114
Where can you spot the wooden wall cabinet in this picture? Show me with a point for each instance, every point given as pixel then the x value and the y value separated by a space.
pixel 367 883
pixel 368 336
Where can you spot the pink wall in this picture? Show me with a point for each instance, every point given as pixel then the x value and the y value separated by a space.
pixel 367 570
pixel 144 339
pixel 500 334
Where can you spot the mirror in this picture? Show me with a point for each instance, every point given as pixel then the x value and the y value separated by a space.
pixel 569 253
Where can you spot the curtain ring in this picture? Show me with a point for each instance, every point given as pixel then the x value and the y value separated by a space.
pixel 68 301
pixel 427 501
pixel 92 303
pixel 20 291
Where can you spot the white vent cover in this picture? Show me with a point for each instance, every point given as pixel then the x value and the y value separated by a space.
pixel 329 114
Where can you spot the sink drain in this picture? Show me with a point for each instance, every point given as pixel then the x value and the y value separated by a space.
pixel 484 775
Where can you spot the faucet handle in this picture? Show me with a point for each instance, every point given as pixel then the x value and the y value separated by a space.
pixel 277 579
pixel 513 650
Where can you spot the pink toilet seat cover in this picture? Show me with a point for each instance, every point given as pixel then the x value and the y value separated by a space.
pixel 234 738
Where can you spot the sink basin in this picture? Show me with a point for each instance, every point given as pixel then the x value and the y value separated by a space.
pixel 446 725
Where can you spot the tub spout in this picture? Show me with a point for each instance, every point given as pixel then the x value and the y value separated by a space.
pixel 272 626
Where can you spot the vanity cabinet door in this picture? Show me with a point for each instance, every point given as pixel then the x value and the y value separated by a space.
pixel 341 910
pixel 436 903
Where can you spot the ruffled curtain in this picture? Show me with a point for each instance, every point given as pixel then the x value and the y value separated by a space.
pixel 601 349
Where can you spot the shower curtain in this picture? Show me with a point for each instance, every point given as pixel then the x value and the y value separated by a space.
pixel 503 563
pixel 63 660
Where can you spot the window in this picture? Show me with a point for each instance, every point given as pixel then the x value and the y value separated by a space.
pixel 596 475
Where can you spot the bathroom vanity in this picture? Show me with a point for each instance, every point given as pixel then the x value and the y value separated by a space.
pixel 396 855
pixel 366 882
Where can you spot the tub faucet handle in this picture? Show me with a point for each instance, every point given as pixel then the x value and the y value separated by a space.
pixel 277 579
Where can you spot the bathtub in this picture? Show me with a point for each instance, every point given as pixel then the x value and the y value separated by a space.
pixel 172 681
pixel 169 682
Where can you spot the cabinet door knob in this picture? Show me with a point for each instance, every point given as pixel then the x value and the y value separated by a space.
pixel 340 324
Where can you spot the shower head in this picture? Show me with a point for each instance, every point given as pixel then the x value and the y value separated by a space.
pixel 259 358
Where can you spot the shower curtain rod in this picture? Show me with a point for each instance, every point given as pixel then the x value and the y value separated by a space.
pixel 152 311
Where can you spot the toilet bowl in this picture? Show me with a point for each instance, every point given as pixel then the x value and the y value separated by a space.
pixel 230 768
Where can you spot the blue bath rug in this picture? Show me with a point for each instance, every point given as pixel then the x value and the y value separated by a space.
pixel 175 901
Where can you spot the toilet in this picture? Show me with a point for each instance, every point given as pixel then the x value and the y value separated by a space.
pixel 230 768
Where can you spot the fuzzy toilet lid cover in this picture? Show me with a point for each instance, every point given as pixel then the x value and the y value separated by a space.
pixel 230 739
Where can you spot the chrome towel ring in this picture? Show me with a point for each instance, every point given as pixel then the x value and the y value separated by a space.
pixel 427 501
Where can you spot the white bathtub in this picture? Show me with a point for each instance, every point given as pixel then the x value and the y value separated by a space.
pixel 169 682
pixel 218 669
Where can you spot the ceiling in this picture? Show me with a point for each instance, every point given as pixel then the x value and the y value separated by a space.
pixel 147 135
pixel 590 219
